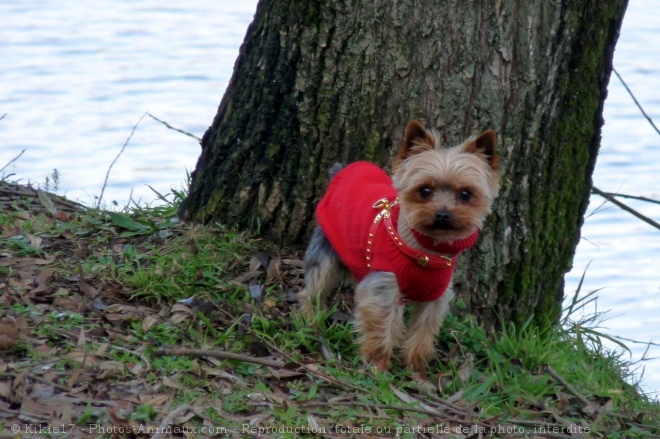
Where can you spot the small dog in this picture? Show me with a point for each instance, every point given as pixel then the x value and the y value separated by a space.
pixel 400 238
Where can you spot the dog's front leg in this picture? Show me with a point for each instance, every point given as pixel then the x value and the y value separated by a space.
pixel 426 321
pixel 379 317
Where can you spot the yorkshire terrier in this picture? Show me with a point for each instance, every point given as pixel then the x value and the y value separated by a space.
pixel 399 238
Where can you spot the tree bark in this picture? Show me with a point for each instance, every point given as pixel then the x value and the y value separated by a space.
pixel 322 81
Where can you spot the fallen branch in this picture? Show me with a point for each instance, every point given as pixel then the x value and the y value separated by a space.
pixel 457 410
pixel 137 354
pixel 168 420
pixel 34 377
pixel 182 352
pixel 27 195
pixel 584 402
pixel 400 408
pixel 317 373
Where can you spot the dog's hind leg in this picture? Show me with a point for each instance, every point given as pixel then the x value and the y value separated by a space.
pixel 323 272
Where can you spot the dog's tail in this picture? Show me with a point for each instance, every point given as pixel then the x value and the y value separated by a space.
pixel 334 170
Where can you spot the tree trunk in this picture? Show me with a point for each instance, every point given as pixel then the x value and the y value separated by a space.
pixel 322 81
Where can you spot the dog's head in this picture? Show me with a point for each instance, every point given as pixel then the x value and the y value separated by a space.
pixel 446 193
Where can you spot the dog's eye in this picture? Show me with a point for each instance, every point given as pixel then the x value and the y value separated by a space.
pixel 465 195
pixel 425 192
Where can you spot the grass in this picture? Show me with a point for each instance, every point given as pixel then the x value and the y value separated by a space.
pixel 95 294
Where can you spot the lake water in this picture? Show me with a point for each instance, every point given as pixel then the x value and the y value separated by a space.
pixel 77 76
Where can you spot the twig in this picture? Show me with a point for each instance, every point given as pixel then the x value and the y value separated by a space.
pixel 584 402
pixel 411 409
pixel 39 379
pixel 167 420
pixel 12 160
pixel 449 405
pixel 137 354
pixel 636 102
pixel 577 429
pixel 174 128
pixel 613 200
pixel 107 174
pixel 3 116
pixel 317 373
pixel 34 199
pixel 217 354
pixel 50 383
pixel 400 408
pixel 633 197
pixel 533 423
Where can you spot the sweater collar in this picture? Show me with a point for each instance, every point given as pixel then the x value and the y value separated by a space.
pixel 446 247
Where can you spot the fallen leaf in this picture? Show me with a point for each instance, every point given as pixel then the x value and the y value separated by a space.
pixel 273 270
pixel 169 382
pixel 112 365
pixel 562 402
pixel 35 241
pixel 255 291
pixel 294 262
pixel 606 403
pixel 283 374
pixel 33 411
pixel 148 322
pixel 67 415
pixel 455 397
pixel 179 308
pixel 82 357
pixel 46 202
pixel 22 262
pixel 87 289
pixel 465 370
pixel 8 333
pixel 40 392
pixel 44 275
pixel 327 353
pixel 67 303
pixel 246 277
pixel 156 400
pixel 259 259
pixel 403 396
pixel 311 421
pixel 7 392
pixel 198 305
pixel 82 340
pixel 98 304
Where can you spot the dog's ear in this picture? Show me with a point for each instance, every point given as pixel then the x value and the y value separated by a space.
pixel 416 140
pixel 484 144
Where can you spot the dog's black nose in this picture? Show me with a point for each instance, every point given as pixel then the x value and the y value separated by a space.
pixel 443 218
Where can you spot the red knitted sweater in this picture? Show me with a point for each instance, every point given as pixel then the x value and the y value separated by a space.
pixel 346 214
